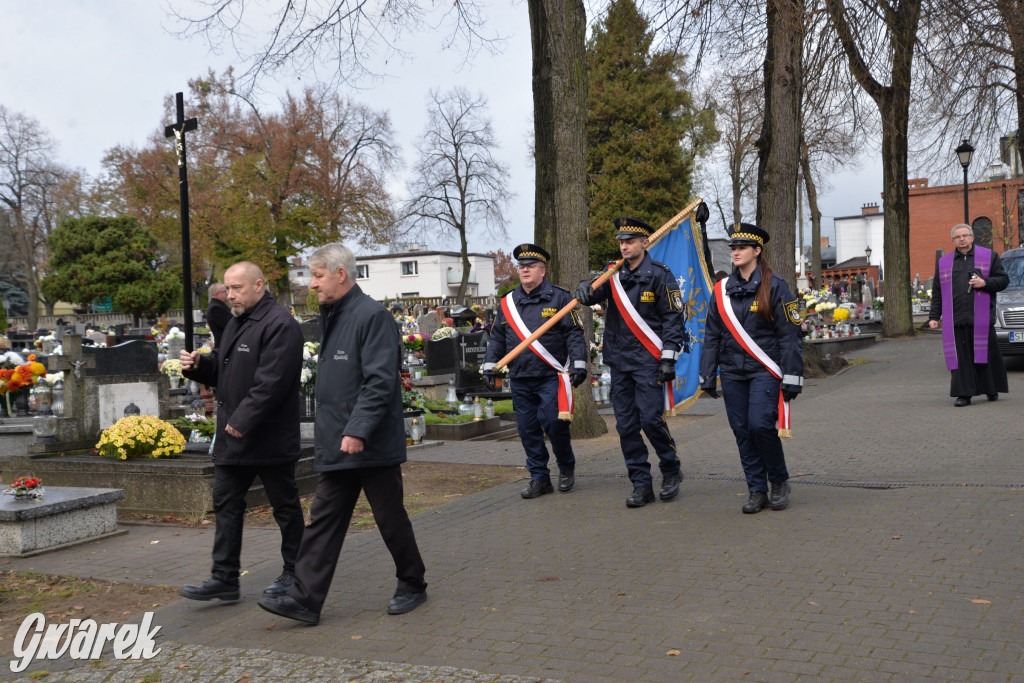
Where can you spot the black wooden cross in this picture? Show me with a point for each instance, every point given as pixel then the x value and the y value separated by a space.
pixel 177 131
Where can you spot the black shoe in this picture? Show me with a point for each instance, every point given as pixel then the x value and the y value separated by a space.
pixel 642 495
pixel 280 585
pixel 779 498
pixel 404 601
pixel 211 589
pixel 670 486
pixel 286 606
pixel 962 401
pixel 537 488
pixel 757 501
pixel 566 480
pixel 993 397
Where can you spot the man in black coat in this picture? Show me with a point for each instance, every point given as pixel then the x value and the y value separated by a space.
pixel 255 368
pixel 360 441
pixel 218 313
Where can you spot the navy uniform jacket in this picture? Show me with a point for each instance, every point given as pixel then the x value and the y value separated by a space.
pixel 564 340
pixel 782 339
pixel 654 292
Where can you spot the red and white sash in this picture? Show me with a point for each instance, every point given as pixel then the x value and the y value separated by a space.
pixel 643 332
pixel 741 336
pixel 515 321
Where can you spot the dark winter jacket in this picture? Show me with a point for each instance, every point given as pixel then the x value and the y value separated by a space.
pixel 255 368
pixel 655 294
pixel 218 314
pixel 564 340
pixel 358 385
pixel 781 339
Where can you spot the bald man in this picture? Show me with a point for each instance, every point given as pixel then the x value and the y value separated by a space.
pixel 255 368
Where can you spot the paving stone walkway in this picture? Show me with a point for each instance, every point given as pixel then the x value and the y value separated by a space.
pixel 899 559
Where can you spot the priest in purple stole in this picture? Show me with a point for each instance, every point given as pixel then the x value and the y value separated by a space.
pixel 963 298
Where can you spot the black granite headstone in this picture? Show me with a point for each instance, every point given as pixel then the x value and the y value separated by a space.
pixel 130 358
pixel 310 330
pixel 442 356
pixel 471 348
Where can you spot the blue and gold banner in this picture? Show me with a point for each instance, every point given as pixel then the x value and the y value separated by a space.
pixel 682 250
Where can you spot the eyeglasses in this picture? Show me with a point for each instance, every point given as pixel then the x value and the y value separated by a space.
pixel 962 237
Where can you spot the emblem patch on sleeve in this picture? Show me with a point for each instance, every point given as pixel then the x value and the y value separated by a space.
pixel 793 312
pixel 675 299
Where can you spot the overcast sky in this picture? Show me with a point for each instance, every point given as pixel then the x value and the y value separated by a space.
pixel 94 73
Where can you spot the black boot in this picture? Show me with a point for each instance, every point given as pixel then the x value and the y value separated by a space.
pixel 670 486
pixel 566 480
pixel 642 495
pixel 537 488
pixel 779 499
pixel 757 501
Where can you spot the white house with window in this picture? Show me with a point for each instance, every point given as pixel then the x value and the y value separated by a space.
pixel 418 272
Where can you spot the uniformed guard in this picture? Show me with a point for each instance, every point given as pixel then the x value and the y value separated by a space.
pixel 644 333
pixel 545 374
pixel 753 337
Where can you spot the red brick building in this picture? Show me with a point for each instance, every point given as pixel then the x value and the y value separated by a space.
pixel 996 210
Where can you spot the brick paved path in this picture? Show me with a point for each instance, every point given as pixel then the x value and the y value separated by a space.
pixel 905 511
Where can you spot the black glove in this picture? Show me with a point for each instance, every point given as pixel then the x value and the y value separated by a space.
pixel 788 395
pixel 711 392
pixel 488 378
pixel 703 214
pixel 584 292
pixel 577 378
pixel 666 371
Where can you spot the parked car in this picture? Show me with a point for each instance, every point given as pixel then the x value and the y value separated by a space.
pixel 1010 306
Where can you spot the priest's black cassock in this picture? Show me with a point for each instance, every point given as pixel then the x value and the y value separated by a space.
pixel 971 378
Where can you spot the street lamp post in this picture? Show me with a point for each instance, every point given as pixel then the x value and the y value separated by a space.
pixel 964 152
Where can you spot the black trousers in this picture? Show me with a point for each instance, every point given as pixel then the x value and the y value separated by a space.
pixel 231 483
pixel 336 496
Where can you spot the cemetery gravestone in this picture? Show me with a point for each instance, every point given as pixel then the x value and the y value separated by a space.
pixel 428 323
pixel 442 356
pixel 472 348
pixel 130 358
pixel 310 331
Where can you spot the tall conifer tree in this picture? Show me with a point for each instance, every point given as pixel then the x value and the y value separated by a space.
pixel 643 130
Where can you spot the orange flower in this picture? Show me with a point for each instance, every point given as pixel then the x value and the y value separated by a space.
pixel 31 357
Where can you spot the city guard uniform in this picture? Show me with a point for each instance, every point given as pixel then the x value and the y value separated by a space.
pixel 637 396
pixel 751 392
pixel 540 392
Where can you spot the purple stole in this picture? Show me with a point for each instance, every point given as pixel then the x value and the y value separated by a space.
pixel 981 307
